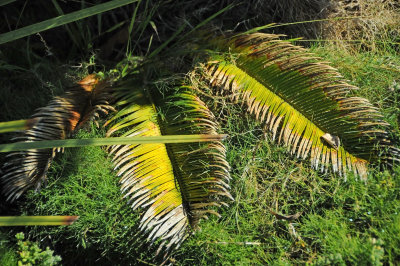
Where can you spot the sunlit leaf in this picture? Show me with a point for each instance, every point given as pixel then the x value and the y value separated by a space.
pixel 302 101
pixel 175 184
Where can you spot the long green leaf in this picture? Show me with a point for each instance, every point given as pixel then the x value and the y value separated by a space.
pixel 162 46
pixel 16 125
pixel 62 20
pixel 206 21
pixel 23 145
pixel 6 2
pixel 36 220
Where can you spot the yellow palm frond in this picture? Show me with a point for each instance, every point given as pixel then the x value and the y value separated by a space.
pixel 175 184
pixel 303 102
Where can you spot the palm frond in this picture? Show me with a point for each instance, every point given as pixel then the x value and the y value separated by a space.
pixel 176 184
pixel 304 102
pixel 58 120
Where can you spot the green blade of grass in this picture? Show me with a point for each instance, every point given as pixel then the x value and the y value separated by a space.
pixel 20 146
pixel 62 20
pixel 5 2
pixel 16 125
pixel 162 46
pixel 37 220
pixel 257 29
pixel 133 19
pixel 275 25
pixel 206 21
pixel 72 34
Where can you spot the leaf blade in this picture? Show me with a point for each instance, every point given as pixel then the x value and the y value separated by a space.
pixel 37 220
pixel 72 143
pixel 62 20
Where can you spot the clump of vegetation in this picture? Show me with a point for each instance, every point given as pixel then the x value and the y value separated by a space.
pixel 25 252
pixel 30 253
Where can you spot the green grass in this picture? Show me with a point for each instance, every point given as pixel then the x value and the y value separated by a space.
pixel 8 254
pixel 342 222
pixel 348 222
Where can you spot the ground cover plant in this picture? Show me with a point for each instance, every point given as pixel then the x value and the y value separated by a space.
pixel 282 210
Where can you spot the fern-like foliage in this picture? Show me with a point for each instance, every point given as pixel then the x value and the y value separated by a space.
pixel 304 102
pixel 175 184
pixel 58 120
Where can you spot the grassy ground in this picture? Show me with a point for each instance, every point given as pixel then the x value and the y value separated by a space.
pixel 341 222
pixel 8 256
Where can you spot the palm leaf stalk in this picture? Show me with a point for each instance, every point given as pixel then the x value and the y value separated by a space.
pixel 303 102
pixel 175 184
pixel 56 121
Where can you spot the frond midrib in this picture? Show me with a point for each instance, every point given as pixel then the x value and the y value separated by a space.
pixel 305 113
pixel 177 173
pixel 285 100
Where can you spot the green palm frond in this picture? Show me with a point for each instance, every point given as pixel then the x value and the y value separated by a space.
pixel 176 184
pixel 304 103
pixel 58 120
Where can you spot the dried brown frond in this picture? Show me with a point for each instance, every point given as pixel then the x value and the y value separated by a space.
pixel 63 116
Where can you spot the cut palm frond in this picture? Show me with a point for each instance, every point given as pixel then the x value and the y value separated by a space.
pixel 175 184
pixel 61 118
pixel 303 102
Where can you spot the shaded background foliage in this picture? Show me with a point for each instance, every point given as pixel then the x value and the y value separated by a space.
pixel 342 222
